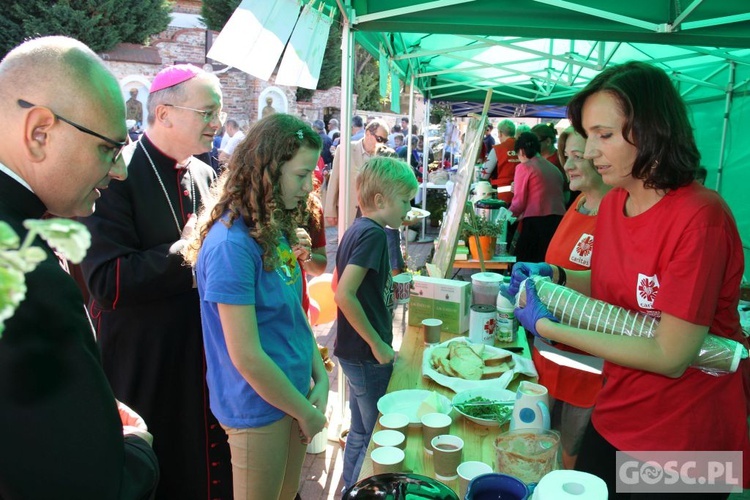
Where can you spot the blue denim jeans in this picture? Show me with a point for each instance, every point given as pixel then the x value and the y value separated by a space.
pixel 367 383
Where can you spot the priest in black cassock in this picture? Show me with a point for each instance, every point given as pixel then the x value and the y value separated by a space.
pixel 144 303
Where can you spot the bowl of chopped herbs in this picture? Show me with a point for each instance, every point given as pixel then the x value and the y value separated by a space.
pixel 485 406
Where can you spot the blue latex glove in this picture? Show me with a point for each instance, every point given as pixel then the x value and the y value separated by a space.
pixel 523 270
pixel 533 312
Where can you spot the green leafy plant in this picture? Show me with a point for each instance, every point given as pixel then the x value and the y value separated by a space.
pixel 68 238
pixel 474 225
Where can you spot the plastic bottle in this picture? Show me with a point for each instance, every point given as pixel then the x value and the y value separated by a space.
pixel 507 326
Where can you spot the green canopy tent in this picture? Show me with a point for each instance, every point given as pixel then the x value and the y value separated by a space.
pixel 541 52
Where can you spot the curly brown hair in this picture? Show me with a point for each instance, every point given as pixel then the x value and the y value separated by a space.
pixel 250 187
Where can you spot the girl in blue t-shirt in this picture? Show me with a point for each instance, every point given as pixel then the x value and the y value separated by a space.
pixel 268 385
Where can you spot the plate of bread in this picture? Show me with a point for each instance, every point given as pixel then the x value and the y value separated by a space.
pixel 460 365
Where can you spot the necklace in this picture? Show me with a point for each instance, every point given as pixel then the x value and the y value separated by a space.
pixel 164 189
pixel 583 210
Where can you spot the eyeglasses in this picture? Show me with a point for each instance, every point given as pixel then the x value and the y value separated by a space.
pixel 380 139
pixel 116 145
pixel 208 116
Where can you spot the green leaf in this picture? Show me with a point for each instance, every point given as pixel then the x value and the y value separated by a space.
pixel 8 237
pixel 12 293
pixel 68 237
pixel 21 261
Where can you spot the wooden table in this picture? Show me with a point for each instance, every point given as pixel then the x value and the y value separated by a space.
pixel 498 262
pixel 407 374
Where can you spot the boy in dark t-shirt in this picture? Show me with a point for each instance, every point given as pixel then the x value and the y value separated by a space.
pixel 364 297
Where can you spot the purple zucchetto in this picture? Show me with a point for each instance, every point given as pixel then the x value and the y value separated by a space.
pixel 174 75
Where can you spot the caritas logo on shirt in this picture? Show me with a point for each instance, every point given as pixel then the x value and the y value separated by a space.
pixel 581 253
pixel 646 290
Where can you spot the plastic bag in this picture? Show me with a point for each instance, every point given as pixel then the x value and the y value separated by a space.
pixel 717 355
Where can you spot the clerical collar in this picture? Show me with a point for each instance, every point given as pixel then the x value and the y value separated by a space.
pixel 160 157
pixel 15 176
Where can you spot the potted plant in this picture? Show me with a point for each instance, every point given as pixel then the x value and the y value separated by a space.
pixel 479 228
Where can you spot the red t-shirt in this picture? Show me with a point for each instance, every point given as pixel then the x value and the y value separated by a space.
pixel 571 247
pixel 506 167
pixel 683 257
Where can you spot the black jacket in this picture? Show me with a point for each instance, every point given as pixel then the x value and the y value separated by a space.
pixel 60 433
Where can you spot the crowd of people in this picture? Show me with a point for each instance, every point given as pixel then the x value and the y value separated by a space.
pixel 180 379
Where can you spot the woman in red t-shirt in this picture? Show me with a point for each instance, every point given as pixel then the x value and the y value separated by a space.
pixel 667 247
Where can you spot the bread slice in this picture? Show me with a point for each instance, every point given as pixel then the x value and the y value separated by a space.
pixel 465 369
pixel 496 371
pixel 438 355
pixel 462 350
pixel 465 362
pixel 478 349
pixel 446 369
pixel 496 359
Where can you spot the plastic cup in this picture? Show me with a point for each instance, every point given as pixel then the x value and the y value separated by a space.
pixel 402 288
pixel 527 454
pixel 485 287
pixel 396 422
pixel 446 457
pixel 468 471
pixel 389 437
pixel 431 328
pixel 387 459
pixel 434 424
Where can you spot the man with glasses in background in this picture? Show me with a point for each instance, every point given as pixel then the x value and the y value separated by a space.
pixel 376 136
pixel 144 303
pixel 61 435
pixel 373 143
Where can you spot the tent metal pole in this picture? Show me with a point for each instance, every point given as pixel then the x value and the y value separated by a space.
pixel 725 125
pixel 347 88
pixel 411 118
pixel 404 230
pixel 425 169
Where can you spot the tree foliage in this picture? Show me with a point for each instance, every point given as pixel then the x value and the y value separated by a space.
pixel 366 80
pixel 216 13
pixel 330 70
pixel 100 24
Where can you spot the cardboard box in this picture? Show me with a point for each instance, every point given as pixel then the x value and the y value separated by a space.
pixel 448 300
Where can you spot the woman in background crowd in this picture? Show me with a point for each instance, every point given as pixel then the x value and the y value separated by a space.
pixel 537 199
pixel 572 377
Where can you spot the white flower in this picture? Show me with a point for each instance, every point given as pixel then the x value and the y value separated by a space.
pixel 68 237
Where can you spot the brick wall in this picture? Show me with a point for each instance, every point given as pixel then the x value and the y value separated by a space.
pixel 187 6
